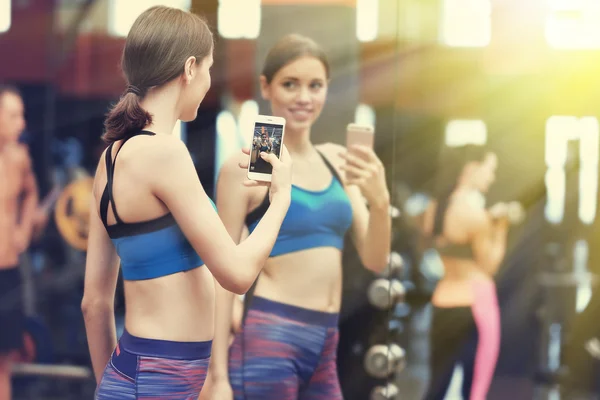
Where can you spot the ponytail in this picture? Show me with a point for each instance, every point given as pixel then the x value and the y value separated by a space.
pixel 127 117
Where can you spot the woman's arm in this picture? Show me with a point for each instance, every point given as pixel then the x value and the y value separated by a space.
pixel 101 273
pixel 372 226
pixel 232 204
pixel 490 237
pixel 176 183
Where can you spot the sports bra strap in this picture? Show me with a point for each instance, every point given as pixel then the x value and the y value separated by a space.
pixel 330 167
pixel 260 211
pixel 110 171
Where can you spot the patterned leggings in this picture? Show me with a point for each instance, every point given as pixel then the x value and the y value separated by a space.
pixel 154 369
pixel 286 353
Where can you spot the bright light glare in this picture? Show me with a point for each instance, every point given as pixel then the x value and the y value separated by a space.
pixel 248 111
pixel 123 13
pixel 466 23
pixel 5 15
pixel 460 132
pixel 559 131
pixel 367 20
pixel 555 190
pixel 573 24
pixel 580 266
pixel 239 19
pixel 227 140
pixel 588 175
pixel 364 115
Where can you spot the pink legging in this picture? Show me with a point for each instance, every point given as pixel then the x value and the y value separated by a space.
pixel 454 341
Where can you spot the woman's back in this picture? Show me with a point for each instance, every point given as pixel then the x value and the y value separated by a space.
pixel 458 219
pixel 167 295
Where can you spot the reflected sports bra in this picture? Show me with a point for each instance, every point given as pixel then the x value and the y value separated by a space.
pixel 314 218
pixel 148 249
pixel 442 245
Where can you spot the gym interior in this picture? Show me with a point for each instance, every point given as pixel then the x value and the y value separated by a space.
pixel 515 76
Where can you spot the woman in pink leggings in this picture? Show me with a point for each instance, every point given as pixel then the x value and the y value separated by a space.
pixel 471 242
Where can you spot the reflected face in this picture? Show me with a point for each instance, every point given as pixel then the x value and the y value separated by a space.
pixel 297 92
pixel 12 117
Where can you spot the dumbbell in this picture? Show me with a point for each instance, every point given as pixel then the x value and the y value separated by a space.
pixel 395 265
pixel 513 211
pixel 516 212
pixel 388 392
pixel 382 360
pixel 384 293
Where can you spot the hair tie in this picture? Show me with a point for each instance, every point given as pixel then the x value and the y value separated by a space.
pixel 135 90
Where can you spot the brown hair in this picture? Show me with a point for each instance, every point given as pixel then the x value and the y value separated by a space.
pixel 288 49
pixel 157 46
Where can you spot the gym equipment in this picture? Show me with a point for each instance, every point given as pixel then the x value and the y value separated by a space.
pixel 559 308
pixel 513 211
pixel 384 293
pixel 516 212
pixel 72 212
pixel 395 265
pixel 388 392
pixel 383 360
pixel 53 371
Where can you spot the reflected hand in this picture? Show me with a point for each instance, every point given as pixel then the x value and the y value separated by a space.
pixel 364 169
pixel 216 389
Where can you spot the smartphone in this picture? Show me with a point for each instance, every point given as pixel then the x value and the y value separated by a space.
pixel 358 134
pixel 268 138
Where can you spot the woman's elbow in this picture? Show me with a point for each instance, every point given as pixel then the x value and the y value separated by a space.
pixel 237 284
pixel 91 305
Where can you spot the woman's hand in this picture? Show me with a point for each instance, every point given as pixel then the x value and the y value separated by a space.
pixel 364 169
pixel 216 389
pixel 281 177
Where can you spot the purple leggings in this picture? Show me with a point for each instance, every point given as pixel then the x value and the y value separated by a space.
pixel 453 340
pixel 153 369
pixel 285 353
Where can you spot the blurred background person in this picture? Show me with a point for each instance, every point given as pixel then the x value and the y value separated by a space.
pixel 472 244
pixel 18 203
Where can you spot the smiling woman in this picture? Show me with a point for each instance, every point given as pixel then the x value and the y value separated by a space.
pixel 287 345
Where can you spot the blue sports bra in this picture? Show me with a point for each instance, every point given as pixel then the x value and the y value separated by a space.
pixel 148 249
pixel 314 218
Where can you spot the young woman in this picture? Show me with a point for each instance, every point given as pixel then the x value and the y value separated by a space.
pixel 472 242
pixel 153 217
pixel 287 346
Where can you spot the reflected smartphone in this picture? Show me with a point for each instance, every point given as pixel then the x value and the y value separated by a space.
pixel 359 134
pixel 268 138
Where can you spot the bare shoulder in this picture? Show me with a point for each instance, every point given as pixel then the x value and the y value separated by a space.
pixel 332 151
pixel 472 216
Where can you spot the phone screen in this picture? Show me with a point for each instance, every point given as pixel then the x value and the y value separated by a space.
pixel 267 138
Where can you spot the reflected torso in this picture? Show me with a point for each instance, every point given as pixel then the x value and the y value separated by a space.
pixel 12 164
pixel 177 307
pixel 455 288
pixel 310 278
